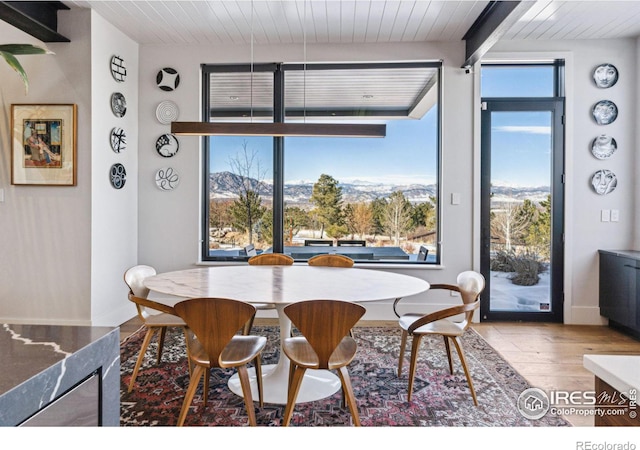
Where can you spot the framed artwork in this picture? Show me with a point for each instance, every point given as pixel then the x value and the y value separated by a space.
pixel 43 149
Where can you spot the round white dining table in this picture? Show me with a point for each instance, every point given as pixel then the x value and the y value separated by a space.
pixel 281 286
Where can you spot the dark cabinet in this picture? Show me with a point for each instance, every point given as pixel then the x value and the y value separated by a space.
pixel 620 288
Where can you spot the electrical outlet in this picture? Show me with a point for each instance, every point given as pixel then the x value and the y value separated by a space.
pixel 605 215
pixel 615 215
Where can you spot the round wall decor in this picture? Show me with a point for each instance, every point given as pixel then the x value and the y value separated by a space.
pixel 118 104
pixel 168 79
pixel 167 179
pixel 167 112
pixel 167 145
pixel 605 75
pixel 117 176
pixel 118 69
pixel 605 112
pixel 604 181
pixel 603 146
pixel 118 139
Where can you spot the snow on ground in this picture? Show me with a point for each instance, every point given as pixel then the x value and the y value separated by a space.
pixel 506 296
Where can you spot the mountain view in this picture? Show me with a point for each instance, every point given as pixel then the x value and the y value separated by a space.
pixel 223 185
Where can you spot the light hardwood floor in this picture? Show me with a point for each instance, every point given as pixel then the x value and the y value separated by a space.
pixel 548 356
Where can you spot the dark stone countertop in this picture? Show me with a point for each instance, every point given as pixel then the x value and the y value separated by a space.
pixel 39 363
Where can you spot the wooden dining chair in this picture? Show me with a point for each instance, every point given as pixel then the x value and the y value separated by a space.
pixel 266 259
pixel 323 344
pixel 330 260
pixel 154 316
pixel 215 322
pixel 469 285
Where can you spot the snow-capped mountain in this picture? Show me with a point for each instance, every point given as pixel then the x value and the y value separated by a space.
pixel 226 185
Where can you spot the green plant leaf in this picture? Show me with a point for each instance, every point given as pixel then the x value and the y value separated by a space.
pixel 15 64
pixel 24 49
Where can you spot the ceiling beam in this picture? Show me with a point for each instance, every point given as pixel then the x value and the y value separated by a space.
pixel 494 21
pixel 38 19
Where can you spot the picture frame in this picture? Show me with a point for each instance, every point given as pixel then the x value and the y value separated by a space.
pixel 43 149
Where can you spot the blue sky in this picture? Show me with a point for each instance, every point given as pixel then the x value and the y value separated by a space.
pixel 521 144
pixel 406 154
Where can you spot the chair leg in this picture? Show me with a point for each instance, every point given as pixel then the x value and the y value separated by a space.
pixel 258 369
pixel 143 350
pixel 343 373
pixel 294 387
pixel 456 342
pixel 198 371
pixel 403 344
pixel 415 344
pixel 205 388
pixel 163 333
pixel 448 347
pixel 243 375
pixel 187 339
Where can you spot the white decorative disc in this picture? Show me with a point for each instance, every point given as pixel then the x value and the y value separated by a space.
pixel 167 112
pixel 167 179
pixel 604 181
pixel 167 145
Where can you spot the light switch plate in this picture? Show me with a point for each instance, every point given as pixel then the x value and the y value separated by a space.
pixel 615 215
pixel 455 198
pixel 605 215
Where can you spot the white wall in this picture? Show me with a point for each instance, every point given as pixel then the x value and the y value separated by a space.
pixel 169 221
pixel 64 249
pixel 585 233
pixel 45 241
pixel 114 212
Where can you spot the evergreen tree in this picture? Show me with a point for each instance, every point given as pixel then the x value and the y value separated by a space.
pixel 327 198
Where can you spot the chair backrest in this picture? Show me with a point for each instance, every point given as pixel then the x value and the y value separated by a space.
pixel 214 321
pixel 318 243
pixel 471 285
pixel 134 278
pixel 422 253
pixel 351 243
pixel 271 259
pixel 324 323
pixel 330 260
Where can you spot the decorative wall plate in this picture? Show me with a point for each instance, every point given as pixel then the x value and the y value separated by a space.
pixel 167 112
pixel 118 104
pixel 605 75
pixel 167 145
pixel 167 179
pixel 168 79
pixel 117 176
pixel 118 69
pixel 605 112
pixel 118 140
pixel 604 181
pixel 603 146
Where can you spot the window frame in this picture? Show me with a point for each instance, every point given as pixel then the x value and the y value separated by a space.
pixel 278 203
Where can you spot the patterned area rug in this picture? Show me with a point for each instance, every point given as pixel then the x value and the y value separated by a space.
pixel 439 399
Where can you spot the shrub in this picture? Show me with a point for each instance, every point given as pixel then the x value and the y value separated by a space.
pixel 503 261
pixel 526 271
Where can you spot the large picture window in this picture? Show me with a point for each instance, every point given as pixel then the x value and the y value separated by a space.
pixel 372 199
